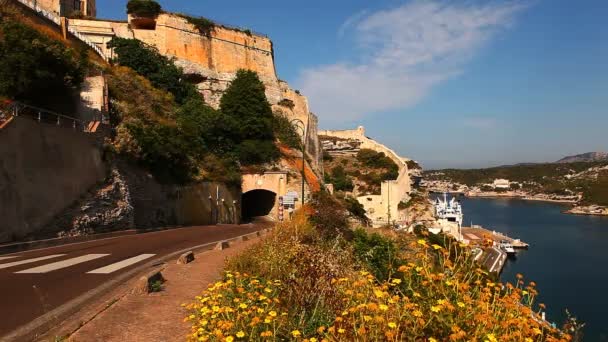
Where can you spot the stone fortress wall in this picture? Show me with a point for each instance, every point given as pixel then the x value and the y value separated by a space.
pixel 383 208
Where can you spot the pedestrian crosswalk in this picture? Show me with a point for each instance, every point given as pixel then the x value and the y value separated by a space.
pixel 55 262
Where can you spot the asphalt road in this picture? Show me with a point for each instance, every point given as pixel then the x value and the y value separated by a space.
pixel 35 282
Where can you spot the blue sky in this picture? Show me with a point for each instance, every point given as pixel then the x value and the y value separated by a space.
pixel 448 83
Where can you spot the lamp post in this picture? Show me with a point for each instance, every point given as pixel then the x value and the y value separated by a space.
pixel 299 124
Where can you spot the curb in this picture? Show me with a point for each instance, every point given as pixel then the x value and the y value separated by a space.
pixel 42 325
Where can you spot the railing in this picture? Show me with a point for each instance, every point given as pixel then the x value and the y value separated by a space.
pixel 33 4
pixel 16 109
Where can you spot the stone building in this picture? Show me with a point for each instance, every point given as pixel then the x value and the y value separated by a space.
pixel 66 8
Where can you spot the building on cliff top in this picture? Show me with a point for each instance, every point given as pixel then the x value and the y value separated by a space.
pixel 384 208
pixel 66 8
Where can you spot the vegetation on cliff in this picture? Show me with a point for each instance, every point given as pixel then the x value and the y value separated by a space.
pixel 148 62
pixel 35 67
pixel 164 123
pixel 314 279
pixel 143 8
pixel 368 169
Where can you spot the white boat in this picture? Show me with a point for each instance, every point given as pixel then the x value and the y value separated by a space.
pixel 507 247
pixel 450 211
pixel 449 216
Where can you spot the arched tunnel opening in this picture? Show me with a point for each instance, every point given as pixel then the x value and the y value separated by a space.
pixel 257 203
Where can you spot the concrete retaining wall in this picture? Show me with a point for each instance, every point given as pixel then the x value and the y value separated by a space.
pixel 43 170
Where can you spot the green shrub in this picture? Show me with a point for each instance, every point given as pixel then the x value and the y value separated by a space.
pixel 255 152
pixel 356 209
pixel 330 217
pixel 286 132
pixel 34 66
pixel 375 159
pixel 340 180
pixel 143 8
pixel 148 62
pixel 203 25
pixel 379 253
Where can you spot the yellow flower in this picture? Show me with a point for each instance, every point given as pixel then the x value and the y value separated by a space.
pixel 240 334
pixel 273 313
pixel 295 333
pixel 229 339
pixel 396 281
pixel 243 306
pixel 528 339
pixel 392 325
pixel 367 318
pixel 432 339
pixel 312 339
pixel 460 304
pixel 267 320
pixel 341 331
pixel 417 313
pixel 378 293
pixel 383 307
pixel 435 246
pixel 491 338
pixel 537 331
pixel 422 242
pixel 441 301
pixel 435 308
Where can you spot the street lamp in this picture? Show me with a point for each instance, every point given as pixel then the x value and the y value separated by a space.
pixel 299 124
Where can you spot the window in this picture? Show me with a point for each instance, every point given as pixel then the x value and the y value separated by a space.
pixel 76 5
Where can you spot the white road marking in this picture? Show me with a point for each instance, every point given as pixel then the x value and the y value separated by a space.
pixel 6 258
pixel 121 264
pixel 29 261
pixel 63 264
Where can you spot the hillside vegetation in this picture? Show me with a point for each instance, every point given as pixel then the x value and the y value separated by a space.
pixel 315 279
pixel 366 170
pixel 589 178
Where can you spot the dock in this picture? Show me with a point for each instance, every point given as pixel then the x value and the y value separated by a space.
pixel 492 257
pixel 477 235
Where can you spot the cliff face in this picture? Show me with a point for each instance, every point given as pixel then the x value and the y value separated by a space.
pixel 212 60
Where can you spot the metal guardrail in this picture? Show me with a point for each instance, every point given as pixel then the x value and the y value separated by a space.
pixel 17 109
pixel 33 4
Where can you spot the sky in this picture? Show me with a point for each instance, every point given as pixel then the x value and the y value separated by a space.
pixel 460 84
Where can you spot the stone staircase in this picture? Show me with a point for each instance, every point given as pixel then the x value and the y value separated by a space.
pixel 33 5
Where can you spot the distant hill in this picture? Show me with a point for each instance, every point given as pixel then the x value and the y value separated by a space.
pixel 585 157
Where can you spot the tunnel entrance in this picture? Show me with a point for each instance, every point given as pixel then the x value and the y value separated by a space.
pixel 257 203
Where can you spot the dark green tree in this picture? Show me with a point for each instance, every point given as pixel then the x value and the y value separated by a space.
pixel 33 65
pixel 148 62
pixel 144 8
pixel 245 105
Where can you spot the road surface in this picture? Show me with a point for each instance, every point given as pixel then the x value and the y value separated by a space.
pixel 35 282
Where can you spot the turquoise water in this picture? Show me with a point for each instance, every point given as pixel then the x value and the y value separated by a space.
pixel 568 256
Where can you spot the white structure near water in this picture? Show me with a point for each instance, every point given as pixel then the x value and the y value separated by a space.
pixel 449 216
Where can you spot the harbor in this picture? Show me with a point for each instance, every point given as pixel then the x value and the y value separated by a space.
pixel 493 248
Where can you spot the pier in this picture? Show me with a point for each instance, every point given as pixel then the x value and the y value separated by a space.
pixel 493 258
pixel 477 235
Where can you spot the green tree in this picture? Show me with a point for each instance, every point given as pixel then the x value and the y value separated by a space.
pixel 148 62
pixel 34 66
pixel 245 105
pixel 144 8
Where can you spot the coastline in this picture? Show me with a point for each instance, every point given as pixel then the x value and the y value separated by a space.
pixel 590 210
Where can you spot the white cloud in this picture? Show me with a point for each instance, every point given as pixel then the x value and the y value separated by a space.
pixel 482 123
pixel 404 52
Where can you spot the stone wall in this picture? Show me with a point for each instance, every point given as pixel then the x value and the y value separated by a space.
pixel 43 170
pixel 162 205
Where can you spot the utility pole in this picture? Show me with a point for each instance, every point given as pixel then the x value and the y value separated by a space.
pixel 299 124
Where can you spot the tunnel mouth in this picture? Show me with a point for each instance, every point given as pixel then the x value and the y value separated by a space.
pixel 257 203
